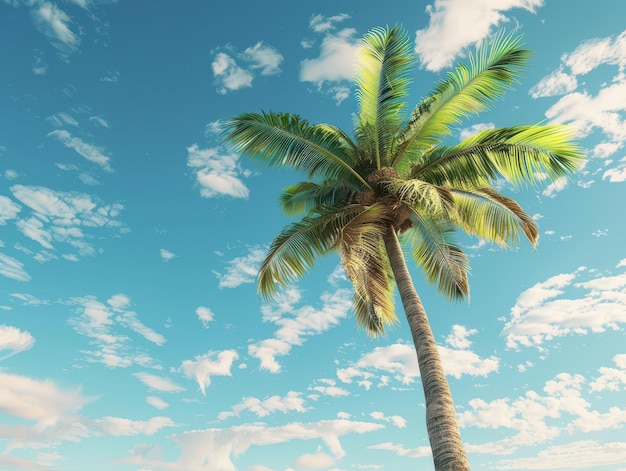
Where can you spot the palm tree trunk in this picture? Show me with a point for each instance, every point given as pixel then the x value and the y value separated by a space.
pixel 443 430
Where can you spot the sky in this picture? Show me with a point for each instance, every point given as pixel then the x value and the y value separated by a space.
pixel 132 337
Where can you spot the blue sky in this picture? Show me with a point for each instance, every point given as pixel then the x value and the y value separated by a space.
pixel 131 334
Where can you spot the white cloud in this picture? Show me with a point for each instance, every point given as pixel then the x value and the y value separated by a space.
pixel 202 367
pixel 12 268
pixel 166 255
pixel 544 311
pixel 264 57
pixel 55 24
pixel 14 340
pixel 205 315
pixel 217 172
pixel 99 121
pixel 8 209
pixel 617 174
pixel 214 448
pixel 555 187
pixel 400 450
pixel 400 361
pixel 61 119
pixel 582 454
pixel 158 383
pixel 582 110
pixel 88 151
pixel 243 269
pixel 323 24
pixel 332 391
pixel 397 420
pixel 318 460
pixel 62 216
pixel 611 379
pixel 264 407
pixel 234 71
pixel 475 129
pixel 107 327
pixel 337 59
pixel 297 323
pixel 447 34
pixel 157 402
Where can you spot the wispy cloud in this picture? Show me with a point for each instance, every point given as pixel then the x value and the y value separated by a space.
pixel 216 447
pixel 217 171
pixel 8 209
pixel 158 383
pixel 264 407
pixel 233 70
pixel 88 151
pixel 447 35
pixel 242 269
pixel 205 315
pixel 166 255
pixel 14 341
pixel 12 268
pixel 55 24
pixel 203 367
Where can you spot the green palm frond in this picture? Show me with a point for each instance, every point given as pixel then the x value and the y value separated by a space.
pixel 294 251
pixel 303 197
pixel 382 79
pixel 431 199
pixel 434 250
pixel 278 139
pixel 467 91
pixel 489 215
pixel 365 261
pixel 520 154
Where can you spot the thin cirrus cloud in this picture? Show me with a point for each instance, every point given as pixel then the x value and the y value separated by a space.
pixel 447 35
pixel 12 268
pixel 87 151
pixel 158 383
pixel 241 270
pixel 14 340
pixel 235 70
pixel 55 24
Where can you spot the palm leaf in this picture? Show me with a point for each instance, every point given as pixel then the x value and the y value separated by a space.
pixel 278 139
pixel 432 199
pixel 442 262
pixel 467 91
pixel 303 197
pixel 520 154
pixel 294 251
pixel 382 79
pixel 489 215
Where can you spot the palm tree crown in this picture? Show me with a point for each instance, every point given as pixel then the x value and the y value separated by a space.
pixel 395 177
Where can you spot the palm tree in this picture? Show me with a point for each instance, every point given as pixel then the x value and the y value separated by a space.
pixel 396 178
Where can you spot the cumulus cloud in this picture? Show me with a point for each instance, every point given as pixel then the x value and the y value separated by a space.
pixel 242 269
pixel 447 35
pixel 566 304
pixel 474 129
pixel 205 315
pixel 87 151
pixel 166 255
pixel 14 341
pixel 233 70
pixel 264 407
pixel 400 361
pixel 397 420
pixel 217 171
pixel 584 111
pixel 203 367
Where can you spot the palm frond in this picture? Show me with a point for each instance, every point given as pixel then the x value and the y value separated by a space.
pixel 294 251
pixel 432 199
pixel 434 250
pixel 467 91
pixel 364 258
pixel 301 198
pixel 382 79
pixel 278 139
pixel 520 154
pixel 489 215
